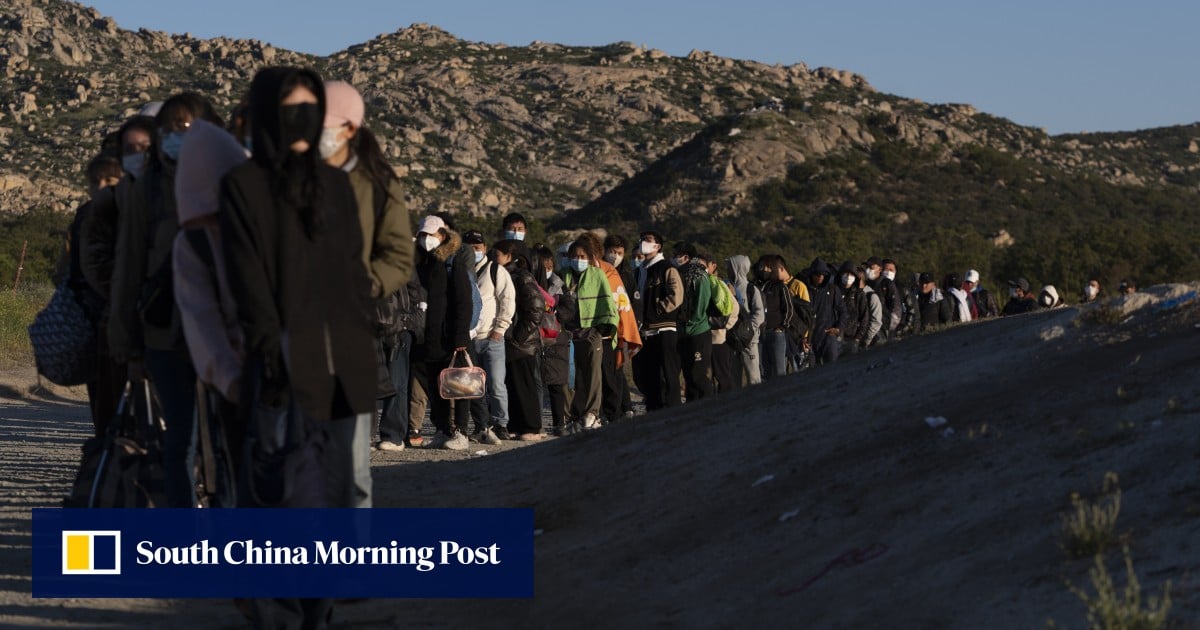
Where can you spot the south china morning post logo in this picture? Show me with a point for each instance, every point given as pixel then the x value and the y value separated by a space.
pixel 91 552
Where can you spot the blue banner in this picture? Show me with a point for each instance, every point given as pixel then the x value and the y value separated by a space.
pixel 332 553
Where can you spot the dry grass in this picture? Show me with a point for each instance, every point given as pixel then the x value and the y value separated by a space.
pixel 17 311
pixel 1090 527
pixel 1124 609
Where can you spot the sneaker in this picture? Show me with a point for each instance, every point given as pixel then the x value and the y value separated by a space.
pixel 590 421
pixel 530 437
pixel 438 440
pixel 416 441
pixel 501 432
pixel 490 437
pixel 388 445
pixel 458 442
pixel 628 414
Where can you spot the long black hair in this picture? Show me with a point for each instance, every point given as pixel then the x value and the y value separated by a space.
pixel 294 175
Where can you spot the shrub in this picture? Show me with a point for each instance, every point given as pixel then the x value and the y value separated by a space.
pixel 1124 610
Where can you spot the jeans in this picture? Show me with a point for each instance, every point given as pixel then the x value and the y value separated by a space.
pixel 749 359
pixel 174 381
pixel 490 357
pixel 774 353
pixel 361 459
pixel 393 424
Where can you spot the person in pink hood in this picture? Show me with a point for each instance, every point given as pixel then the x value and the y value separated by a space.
pixel 207 311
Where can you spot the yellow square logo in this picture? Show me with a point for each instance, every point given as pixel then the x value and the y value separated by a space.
pixel 91 553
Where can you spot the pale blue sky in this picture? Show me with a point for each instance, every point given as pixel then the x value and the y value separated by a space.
pixel 1069 65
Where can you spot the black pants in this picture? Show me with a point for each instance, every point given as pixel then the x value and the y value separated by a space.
pixel 726 378
pixel 826 349
pixel 612 386
pixel 426 373
pixel 524 398
pixel 104 392
pixel 695 357
pixel 656 370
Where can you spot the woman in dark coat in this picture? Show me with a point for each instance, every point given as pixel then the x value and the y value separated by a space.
pixel 556 353
pixel 524 340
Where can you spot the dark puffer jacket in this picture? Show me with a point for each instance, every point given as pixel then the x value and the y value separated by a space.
pixel 828 307
pixel 523 338
pixel 448 316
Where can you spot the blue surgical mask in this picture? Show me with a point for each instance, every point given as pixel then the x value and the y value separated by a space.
pixel 171 144
pixel 134 164
pixel 579 265
pixel 478 257
pixel 514 236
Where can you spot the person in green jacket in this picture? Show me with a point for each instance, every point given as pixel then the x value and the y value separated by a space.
pixel 387 253
pixel 593 322
pixel 695 338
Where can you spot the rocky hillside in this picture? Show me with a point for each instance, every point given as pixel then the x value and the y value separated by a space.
pixel 482 129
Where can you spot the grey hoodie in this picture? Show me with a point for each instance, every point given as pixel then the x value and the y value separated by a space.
pixel 739 269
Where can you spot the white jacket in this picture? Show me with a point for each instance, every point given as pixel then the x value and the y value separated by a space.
pixel 499 300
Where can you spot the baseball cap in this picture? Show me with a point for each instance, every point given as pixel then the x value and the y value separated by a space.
pixel 925 278
pixel 972 276
pixel 430 225
pixel 1020 283
pixel 473 237
pixel 343 104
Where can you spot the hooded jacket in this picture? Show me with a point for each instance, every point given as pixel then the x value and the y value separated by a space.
pixel 499 300
pixel 446 278
pixel 207 309
pixel 752 299
pixel 934 309
pixel 289 226
pixel 829 310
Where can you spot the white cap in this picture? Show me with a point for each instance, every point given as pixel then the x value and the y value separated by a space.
pixel 430 225
pixel 150 109
pixel 972 276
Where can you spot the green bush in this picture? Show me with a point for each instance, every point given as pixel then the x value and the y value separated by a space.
pixel 17 311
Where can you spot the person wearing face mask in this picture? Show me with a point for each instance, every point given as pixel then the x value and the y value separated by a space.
pixel 144 329
pixel 289 226
pixel 932 305
pixel 959 297
pixel 447 282
pixel 555 356
pixel 387 254
pixel 1020 300
pixel 522 343
pixel 1048 298
pixel 499 296
pixel 982 301
pixel 863 309
pixel 614 389
pixel 881 278
pixel 659 295
pixel 778 316
pixel 594 325
pixel 1091 291
pixel 513 227
pixel 695 338
pixel 725 378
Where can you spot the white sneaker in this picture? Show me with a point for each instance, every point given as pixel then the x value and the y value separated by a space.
pixel 590 421
pixel 388 445
pixel 458 442
pixel 489 437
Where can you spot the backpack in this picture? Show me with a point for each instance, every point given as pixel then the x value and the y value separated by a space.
pixel 741 335
pixel 549 325
pixel 401 312
pixel 692 275
pixel 720 305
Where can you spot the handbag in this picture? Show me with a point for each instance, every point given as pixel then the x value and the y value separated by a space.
pixel 459 383
pixel 123 468
pixel 64 340
pixel 281 454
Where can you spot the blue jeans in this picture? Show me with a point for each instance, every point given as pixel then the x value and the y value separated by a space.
pixel 774 353
pixel 490 355
pixel 393 424
pixel 174 381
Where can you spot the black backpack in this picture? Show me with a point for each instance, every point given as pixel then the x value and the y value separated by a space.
pixel 692 275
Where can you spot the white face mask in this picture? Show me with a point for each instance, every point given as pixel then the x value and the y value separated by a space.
pixel 872 274
pixel 478 257
pixel 430 243
pixel 614 259
pixel 1090 291
pixel 579 265
pixel 514 236
pixel 847 280
pixel 330 144
pixel 548 274
pixel 1047 300
pixel 649 249
pixel 890 275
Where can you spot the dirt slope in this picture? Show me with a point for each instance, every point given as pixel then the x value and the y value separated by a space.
pixel 659 521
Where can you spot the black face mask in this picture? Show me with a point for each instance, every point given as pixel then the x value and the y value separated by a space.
pixel 300 122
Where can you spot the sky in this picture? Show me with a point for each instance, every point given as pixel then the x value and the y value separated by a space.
pixel 1063 65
